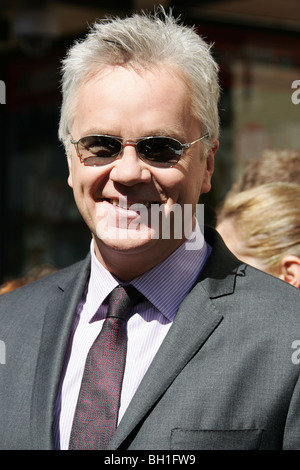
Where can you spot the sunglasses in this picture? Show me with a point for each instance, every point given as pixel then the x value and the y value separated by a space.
pixel 159 151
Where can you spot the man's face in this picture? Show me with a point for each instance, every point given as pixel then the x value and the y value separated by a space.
pixel 129 104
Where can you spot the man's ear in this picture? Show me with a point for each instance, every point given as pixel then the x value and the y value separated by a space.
pixel 210 165
pixel 290 270
pixel 70 180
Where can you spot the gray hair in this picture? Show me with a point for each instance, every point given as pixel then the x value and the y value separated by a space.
pixel 144 40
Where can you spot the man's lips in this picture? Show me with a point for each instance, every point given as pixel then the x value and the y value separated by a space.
pixel 130 205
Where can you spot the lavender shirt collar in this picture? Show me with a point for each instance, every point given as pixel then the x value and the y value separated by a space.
pixel 165 285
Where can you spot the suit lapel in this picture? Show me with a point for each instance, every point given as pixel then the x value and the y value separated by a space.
pixel 194 322
pixel 196 319
pixel 58 321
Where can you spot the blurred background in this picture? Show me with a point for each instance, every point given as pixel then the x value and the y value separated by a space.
pixel 257 45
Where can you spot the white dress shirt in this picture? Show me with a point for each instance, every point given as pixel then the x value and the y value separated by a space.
pixel 165 286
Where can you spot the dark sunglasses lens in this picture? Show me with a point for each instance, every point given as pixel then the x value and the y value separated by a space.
pixel 98 150
pixel 162 151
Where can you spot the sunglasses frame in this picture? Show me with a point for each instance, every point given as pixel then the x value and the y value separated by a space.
pixel 135 142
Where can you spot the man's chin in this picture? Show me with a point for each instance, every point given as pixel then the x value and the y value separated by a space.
pixel 125 240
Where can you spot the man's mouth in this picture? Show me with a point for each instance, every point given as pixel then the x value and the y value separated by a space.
pixel 136 206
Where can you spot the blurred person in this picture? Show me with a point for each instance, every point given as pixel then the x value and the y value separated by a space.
pixel 37 272
pixel 271 166
pixel 12 284
pixel 203 359
pixel 261 226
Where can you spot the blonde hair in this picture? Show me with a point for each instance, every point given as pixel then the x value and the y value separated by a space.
pixel 267 220
pixel 144 40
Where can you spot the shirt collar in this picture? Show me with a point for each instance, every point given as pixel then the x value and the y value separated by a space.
pixel 165 285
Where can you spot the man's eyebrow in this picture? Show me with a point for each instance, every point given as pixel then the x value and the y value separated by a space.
pixel 96 131
pixel 156 132
pixel 164 133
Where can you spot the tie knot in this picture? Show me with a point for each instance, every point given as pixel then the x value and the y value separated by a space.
pixel 121 300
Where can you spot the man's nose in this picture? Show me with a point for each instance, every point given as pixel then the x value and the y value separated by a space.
pixel 129 169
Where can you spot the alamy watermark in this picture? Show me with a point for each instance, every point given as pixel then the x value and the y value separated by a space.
pixel 151 221
pixel 2 353
pixel 2 92
pixel 296 94
pixel 296 353
pixel 2 101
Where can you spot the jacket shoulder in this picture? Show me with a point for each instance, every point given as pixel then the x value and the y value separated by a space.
pixel 39 292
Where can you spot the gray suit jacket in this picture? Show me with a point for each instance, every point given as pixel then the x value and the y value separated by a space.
pixel 223 378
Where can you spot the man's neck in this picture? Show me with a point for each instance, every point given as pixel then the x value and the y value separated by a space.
pixel 126 265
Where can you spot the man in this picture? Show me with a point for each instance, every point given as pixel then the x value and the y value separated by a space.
pixel 210 345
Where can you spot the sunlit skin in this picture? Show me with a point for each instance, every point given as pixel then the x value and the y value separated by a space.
pixel 130 104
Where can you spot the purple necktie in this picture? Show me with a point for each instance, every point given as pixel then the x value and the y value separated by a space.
pixel 98 403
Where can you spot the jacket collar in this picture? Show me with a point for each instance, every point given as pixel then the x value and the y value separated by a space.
pixel 191 327
pixel 196 319
pixel 219 274
pixel 58 320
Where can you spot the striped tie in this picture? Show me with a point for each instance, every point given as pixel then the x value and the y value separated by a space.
pixel 98 404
